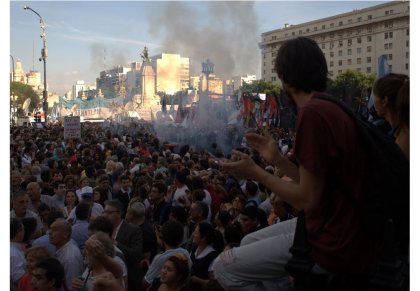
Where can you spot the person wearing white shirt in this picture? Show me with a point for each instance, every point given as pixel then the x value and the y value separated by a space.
pixel 17 257
pixel 67 252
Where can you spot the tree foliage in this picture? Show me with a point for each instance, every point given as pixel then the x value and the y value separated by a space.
pixel 353 79
pixel 261 86
pixel 22 92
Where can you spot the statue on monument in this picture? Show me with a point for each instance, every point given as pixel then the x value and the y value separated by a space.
pixel 145 55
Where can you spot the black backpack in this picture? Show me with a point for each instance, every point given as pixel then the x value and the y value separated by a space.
pixel 384 211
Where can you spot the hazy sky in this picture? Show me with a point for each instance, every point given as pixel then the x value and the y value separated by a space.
pixel 83 37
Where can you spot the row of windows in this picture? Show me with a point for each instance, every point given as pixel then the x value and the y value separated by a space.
pixel 349 62
pixel 368 71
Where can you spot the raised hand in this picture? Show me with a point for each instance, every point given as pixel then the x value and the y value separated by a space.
pixel 264 144
pixel 242 166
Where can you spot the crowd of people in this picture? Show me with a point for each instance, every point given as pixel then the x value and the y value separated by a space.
pixel 120 209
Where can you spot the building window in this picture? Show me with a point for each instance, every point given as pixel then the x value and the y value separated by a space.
pixel 369 38
pixel 331 35
pixel 331 45
pixel 340 53
pixel 386 12
pixel 390 68
pixel 264 57
pixel 359 50
pixel 349 42
pixel 407 43
pixel 350 20
pixel 332 24
pixel 358 31
pixel 407 32
pixel 273 54
pixel 273 71
pixel 359 40
pixel 386 35
pixel 406 66
pixel 391 11
pixel 359 61
pixel 368 70
pixel 368 60
pixel 406 55
pixel 300 31
pixel 359 19
pixel 369 49
pixel 323 46
pixel 369 28
pixel 323 27
pixel 273 79
pixel 369 17
pixel 349 52
pixel 340 72
pixel 340 63
pixel 349 62
pixel 391 34
pixel 340 23
pixel 307 30
pixel 340 43
pixel 293 33
pixel 390 45
pixel 390 57
pixel 273 37
pixel 315 28
pixel 331 64
pixel 386 46
pixel 331 54
pixel 389 24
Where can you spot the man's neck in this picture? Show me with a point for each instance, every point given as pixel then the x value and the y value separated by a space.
pixel 301 97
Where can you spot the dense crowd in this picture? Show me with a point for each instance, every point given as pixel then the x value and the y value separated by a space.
pixel 121 209
pixel 155 201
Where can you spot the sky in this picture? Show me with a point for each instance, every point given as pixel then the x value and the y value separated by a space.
pixel 84 37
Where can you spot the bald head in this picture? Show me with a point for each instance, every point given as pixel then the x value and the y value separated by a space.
pixel 60 232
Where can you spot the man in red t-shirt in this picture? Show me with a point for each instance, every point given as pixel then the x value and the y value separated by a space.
pixel 326 150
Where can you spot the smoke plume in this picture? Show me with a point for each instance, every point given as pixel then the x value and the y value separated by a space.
pixel 225 32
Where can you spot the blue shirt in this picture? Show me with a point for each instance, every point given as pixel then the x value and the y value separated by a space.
pixel 80 233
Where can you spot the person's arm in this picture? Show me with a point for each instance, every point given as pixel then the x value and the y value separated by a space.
pixel 303 195
pixel 269 150
pixel 96 248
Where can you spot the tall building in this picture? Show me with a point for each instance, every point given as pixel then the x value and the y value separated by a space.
pixel 238 81
pixel 172 72
pixel 19 73
pixel 112 82
pixel 78 87
pixel 353 40
pixel 134 79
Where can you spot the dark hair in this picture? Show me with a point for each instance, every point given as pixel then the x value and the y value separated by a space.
pixel 75 195
pixel 204 208
pixel 172 233
pixel 101 223
pixel 29 225
pixel 15 226
pixel 180 213
pixel 301 63
pixel 224 217
pixel 397 88
pixel 196 183
pixel 251 187
pixel 211 235
pixel 180 262
pixel 53 216
pixel 54 270
pixel 115 203
pixel 82 211
pixel 181 177
pixel 250 211
pixel 125 177
pixel 234 234
pixel 161 186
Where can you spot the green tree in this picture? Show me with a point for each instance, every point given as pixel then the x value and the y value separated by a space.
pixel 23 92
pixel 353 79
pixel 261 86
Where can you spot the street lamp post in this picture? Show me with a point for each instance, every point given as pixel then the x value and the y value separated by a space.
pixel 44 54
pixel 12 79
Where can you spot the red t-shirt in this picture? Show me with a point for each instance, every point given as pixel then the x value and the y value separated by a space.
pixel 327 143
pixel 25 283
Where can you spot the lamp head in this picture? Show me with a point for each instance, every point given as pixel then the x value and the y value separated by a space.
pixel 25 7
